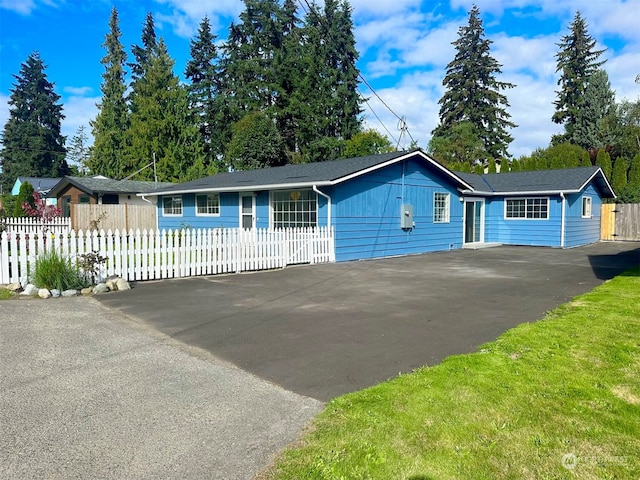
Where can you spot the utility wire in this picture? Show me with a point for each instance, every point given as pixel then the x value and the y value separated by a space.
pixel 364 80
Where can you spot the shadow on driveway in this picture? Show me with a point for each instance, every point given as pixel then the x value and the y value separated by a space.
pixel 326 330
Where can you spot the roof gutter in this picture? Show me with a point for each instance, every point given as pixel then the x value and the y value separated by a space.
pixel 243 188
pixel 518 194
pixel 315 189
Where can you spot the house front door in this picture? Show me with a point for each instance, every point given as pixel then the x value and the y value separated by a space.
pixel 473 220
pixel 247 211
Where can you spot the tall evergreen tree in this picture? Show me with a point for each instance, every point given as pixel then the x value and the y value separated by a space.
pixel 577 60
pixel 333 108
pixel 78 151
pixel 596 121
pixel 32 143
pixel 473 91
pixel 202 71
pixel 619 174
pixel 160 127
pixel 143 54
pixel 110 124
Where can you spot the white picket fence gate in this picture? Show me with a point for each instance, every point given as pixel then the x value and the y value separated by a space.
pixel 153 255
pixel 56 225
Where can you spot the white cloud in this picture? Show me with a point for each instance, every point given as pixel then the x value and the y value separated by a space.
pixel 78 110
pixel 24 7
pixel 382 7
pixel 78 91
pixel 186 14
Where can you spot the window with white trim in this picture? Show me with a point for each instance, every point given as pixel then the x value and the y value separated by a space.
pixel 527 208
pixel 294 208
pixel 586 207
pixel 172 206
pixel 441 203
pixel 208 204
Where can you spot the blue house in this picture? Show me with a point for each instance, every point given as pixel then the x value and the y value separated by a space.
pixel 396 204
pixel 41 185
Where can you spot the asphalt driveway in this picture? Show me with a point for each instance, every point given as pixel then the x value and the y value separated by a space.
pixel 325 330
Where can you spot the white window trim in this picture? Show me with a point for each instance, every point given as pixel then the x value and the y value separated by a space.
pixel 272 210
pixel 198 214
pixel 447 216
pixel 165 214
pixel 586 200
pixel 525 208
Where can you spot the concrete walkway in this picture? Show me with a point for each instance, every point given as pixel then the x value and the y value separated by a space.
pixel 86 393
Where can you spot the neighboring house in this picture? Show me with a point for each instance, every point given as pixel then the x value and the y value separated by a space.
pixel 100 190
pixel 41 185
pixel 396 203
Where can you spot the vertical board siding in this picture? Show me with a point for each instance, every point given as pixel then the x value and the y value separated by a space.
pixel 152 255
pixel 121 217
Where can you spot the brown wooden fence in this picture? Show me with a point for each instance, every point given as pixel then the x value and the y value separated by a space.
pixel 620 221
pixel 113 217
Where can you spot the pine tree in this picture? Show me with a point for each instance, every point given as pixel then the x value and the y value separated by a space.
pixel 202 70
pixel 160 128
pixel 473 91
pixel 32 143
pixel 25 195
pixel 110 124
pixel 577 61
pixel 78 151
pixel 143 54
pixel 331 114
pixel 596 121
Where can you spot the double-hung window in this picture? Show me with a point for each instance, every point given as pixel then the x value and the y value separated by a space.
pixel 441 207
pixel 208 204
pixel 172 206
pixel 586 207
pixel 527 208
pixel 294 208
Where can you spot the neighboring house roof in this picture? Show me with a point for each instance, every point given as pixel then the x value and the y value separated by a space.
pixel 302 175
pixel 567 180
pixel 101 185
pixel 39 184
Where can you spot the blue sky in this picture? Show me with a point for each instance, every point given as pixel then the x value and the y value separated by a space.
pixel 404 47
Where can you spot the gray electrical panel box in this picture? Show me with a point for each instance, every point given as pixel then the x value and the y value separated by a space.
pixel 406 216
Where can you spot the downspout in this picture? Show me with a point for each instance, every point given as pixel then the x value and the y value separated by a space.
pixel 315 189
pixel 562 220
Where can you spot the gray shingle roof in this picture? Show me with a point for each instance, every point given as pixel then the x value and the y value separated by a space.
pixel 97 185
pixel 541 181
pixel 40 184
pixel 318 173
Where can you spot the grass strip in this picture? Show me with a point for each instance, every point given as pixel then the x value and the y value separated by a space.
pixel 555 399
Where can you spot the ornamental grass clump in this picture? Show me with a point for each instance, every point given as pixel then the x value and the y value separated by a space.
pixel 52 271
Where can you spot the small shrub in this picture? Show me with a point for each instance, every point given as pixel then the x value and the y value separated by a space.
pixel 55 272
pixel 89 264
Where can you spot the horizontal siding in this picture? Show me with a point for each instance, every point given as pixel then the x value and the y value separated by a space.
pixel 578 230
pixel 228 214
pixel 367 214
pixel 523 232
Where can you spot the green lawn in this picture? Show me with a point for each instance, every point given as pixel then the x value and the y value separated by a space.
pixel 565 389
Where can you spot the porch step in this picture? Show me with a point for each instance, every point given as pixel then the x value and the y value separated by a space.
pixel 478 246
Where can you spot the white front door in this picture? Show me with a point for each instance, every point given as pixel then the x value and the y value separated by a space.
pixel 473 220
pixel 247 211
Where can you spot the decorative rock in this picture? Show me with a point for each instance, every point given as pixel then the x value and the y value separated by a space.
pixel 55 293
pixel 70 293
pixel 101 288
pixel 14 287
pixel 122 284
pixel 87 291
pixel 44 293
pixel 111 283
pixel 30 289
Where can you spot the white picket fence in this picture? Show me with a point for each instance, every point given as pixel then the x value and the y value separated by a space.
pixel 56 225
pixel 153 255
